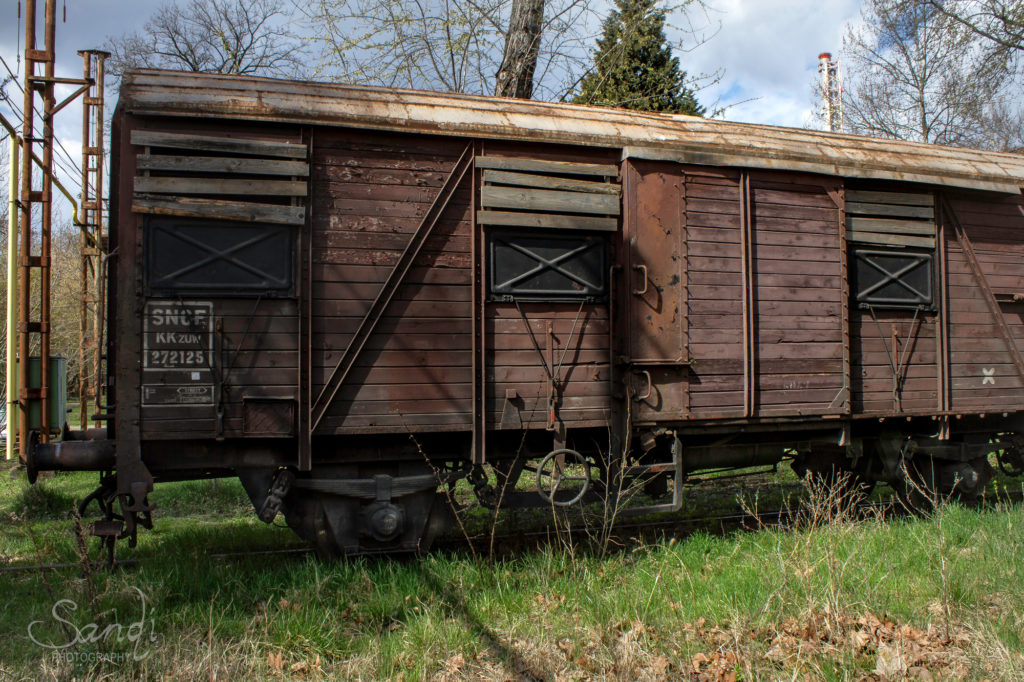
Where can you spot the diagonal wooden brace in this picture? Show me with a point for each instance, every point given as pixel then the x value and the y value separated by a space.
pixel 390 287
pixel 986 290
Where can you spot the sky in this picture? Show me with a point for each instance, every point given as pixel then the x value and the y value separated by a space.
pixel 767 51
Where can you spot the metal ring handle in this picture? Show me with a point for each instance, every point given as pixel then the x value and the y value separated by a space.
pixel 650 386
pixel 638 268
pixel 549 497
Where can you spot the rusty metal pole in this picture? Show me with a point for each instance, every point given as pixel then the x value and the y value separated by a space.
pixel 12 296
pixel 99 289
pixel 25 226
pixel 46 220
pixel 91 226
pixel 85 237
pixel 43 84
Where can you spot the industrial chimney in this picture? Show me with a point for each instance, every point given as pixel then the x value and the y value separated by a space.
pixel 831 91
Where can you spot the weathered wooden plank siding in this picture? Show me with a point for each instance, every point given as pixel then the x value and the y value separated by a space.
pixel 873 356
pixel 796 294
pixel 513 364
pixel 713 300
pixel 892 342
pixel 982 375
pixel 370 192
pixel 255 341
pixel 796 214
pixel 254 356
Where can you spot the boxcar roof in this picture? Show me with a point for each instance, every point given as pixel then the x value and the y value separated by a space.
pixel 686 139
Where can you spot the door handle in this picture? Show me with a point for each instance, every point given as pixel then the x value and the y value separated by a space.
pixel 650 387
pixel 641 292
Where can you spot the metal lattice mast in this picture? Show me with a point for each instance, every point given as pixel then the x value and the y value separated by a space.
pixel 831 85
pixel 37 197
pixel 90 349
pixel 30 264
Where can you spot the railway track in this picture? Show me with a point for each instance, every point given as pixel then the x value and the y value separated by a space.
pixel 504 544
pixel 624 535
pixel 634 533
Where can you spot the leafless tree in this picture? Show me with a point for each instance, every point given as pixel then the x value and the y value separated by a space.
pixel 522 47
pixel 913 73
pixel 1000 25
pixel 1002 127
pixel 442 45
pixel 4 82
pixel 460 45
pixel 214 36
pixel 1000 21
pixel 66 296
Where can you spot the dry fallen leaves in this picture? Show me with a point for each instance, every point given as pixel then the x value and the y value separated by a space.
pixel 889 649
pixel 286 605
pixel 714 667
pixel 455 663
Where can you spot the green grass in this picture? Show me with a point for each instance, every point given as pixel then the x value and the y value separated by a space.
pixel 826 601
pixel 55 495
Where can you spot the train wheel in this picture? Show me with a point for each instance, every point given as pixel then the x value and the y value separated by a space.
pixel 344 511
pixel 1009 452
pixel 338 526
pixel 828 471
pixel 928 481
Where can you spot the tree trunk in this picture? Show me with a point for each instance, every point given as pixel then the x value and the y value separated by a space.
pixel 522 45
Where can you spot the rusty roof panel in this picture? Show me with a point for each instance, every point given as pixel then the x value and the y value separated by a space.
pixel 638 134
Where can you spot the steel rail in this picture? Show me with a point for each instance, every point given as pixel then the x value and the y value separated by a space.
pixel 452 542
pixel 520 540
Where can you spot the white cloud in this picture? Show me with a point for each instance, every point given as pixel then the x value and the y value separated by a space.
pixel 769 50
pixel 87 25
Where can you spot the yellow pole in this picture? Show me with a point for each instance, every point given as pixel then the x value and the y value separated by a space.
pixel 12 296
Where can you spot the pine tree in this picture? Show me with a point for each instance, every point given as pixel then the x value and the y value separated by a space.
pixel 634 66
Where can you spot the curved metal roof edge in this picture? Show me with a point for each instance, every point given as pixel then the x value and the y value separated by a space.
pixel 639 134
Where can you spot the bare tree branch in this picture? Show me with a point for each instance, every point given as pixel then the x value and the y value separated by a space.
pixel 216 36
pixel 459 45
pixel 913 73
pixel 1000 21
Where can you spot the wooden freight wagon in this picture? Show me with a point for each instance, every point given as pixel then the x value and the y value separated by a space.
pixel 304 276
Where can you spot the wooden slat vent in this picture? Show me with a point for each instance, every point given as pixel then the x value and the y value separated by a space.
pixel 890 218
pixel 548 194
pixel 206 176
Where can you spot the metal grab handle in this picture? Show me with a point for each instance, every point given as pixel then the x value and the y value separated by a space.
pixel 641 292
pixel 650 386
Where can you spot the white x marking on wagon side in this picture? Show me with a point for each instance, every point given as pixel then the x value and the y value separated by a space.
pixel 989 374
